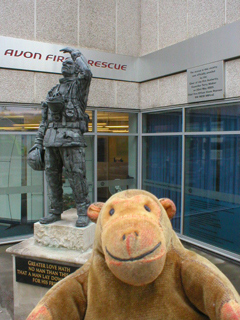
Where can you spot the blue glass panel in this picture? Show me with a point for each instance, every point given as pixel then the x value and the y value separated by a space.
pixel 21 188
pixel 223 118
pixel 162 163
pixel 212 190
pixel 162 122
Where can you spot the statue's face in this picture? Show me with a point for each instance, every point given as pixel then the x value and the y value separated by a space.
pixel 68 67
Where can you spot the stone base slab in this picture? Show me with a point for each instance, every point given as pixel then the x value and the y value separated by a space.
pixel 60 242
pixel 26 296
pixel 64 233
pixel 31 249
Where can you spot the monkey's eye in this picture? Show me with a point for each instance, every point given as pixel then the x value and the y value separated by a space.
pixel 147 208
pixel 111 212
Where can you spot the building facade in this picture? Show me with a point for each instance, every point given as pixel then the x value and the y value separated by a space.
pixel 147 128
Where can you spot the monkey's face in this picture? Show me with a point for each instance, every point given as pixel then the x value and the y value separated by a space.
pixel 133 241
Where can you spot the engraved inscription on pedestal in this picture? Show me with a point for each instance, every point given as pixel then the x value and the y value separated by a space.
pixel 39 273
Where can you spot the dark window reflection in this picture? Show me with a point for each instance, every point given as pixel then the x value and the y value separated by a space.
pixel 212 190
pixel 223 118
pixel 162 122
pixel 162 175
pixel 117 165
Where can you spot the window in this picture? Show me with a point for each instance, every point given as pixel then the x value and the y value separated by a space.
pixel 162 157
pixel 116 122
pixel 207 196
pixel 212 168
pixel 21 188
pixel 190 155
pixel 117 165
pixel 111 163
pixel 159 122
pixel 116 153
pixel 220 118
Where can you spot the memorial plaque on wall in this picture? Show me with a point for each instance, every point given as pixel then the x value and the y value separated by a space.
pixel 206 82
pixel 39 273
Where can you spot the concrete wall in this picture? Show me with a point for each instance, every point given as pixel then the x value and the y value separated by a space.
pixel 129 27
pixel 167 22
pixel 107 25
pixel 172 90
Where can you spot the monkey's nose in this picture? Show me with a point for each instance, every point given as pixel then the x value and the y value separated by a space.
pixel 130 240
pixel 134 234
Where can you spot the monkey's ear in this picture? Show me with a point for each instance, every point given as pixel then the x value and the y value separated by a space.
pixel 93 211
pixel 169 206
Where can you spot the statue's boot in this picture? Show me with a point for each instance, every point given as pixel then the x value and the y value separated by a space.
pixel 82 220
pixel 50 218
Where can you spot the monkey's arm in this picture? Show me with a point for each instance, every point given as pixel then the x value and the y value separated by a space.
pixel 209 290
pixel 65 300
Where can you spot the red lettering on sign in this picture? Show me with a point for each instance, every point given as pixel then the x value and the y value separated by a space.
pixel 111 65
pixel 35 55
pixel 8 51
pixel 60 58
pixel 18 55
pixel 55 58
pixel 97 64
pixel 49 56
pixel 91 62
pixel 52 57
pixel 28 54
pixel 117 68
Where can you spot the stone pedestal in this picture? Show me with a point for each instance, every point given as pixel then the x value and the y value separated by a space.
pixel 55 251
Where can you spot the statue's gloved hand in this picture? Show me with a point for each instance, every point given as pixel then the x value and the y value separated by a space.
pixel 67 50
pixel 74 52
pixel 36 145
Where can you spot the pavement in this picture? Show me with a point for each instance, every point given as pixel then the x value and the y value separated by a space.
pixel 230 268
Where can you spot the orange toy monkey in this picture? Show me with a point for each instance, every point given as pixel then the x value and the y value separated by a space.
pixel 140 270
